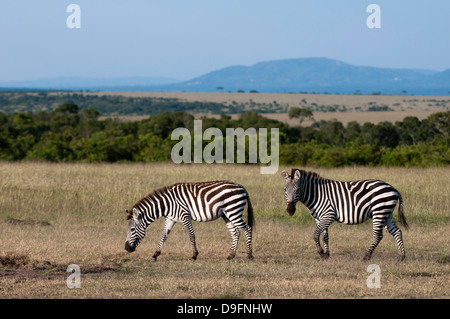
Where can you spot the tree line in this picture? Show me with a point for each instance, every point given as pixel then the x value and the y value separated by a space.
pixel 32 101
pixel 68 134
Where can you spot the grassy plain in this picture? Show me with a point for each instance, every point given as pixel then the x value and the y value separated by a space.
pixel 53 215
pixel 401 105
pixel 396 102
pixel 343 117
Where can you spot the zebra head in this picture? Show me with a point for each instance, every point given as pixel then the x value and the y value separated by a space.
pixel 136 230
pixel 291 189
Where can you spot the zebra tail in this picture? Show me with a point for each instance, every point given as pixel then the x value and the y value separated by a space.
pixel 401 213
pixel 250 217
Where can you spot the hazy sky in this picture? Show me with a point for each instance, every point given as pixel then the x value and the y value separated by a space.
pixel 186 38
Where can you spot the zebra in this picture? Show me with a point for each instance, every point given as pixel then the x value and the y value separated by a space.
pixel 351 202
pixel 184 202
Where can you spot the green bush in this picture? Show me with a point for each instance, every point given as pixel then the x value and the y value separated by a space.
pixel 73 134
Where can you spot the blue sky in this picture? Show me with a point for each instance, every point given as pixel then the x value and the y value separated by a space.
pixel 186 38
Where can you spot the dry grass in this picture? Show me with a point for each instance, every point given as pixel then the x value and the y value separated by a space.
pixel 53 215
pixel 343 117
pixel 397 102
pixel 403 106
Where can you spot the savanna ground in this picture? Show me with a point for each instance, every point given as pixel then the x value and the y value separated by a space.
pixel 54 215
pixel 401 105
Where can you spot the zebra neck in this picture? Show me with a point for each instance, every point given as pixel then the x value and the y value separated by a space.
pixel 154 207
pixel 311 189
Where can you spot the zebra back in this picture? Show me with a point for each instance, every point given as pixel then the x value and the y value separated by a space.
pixel 352 201
pixel 198 197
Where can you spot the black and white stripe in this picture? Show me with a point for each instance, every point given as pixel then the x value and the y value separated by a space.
pixel 185 202
pixel 350 203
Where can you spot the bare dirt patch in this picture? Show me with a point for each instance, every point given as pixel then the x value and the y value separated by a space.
pixel 16 221
pixel 19 266
pixel 22 266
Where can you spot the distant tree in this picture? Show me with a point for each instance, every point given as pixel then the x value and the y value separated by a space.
pixel 87 114
pixel 67 108
pixel 441 121
pixel 379 108
pixel 409 130
pixel 332 132
pixel 385 134
pixel 353 131
pixel 297 112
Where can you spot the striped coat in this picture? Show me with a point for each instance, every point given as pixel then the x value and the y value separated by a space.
pixel 351 202
pixel 184 202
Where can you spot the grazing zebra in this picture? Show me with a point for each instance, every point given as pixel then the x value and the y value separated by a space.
pixel 350 203
pixel 185 202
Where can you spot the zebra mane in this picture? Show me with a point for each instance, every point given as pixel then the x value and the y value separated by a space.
pixel 313 175
pixel 308 175
pixel 150 196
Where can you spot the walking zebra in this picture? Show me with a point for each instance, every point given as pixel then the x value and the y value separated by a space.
pixel 350 203
pixel 185 202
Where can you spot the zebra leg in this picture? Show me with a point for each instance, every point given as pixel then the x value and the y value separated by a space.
pixel 377 237
pixel 317 238
pixel 239 223
pixel 397 234
pixel 322 227
pixel 325 243
pixel 166 231
pixel 188 225
pixel 248 234
pixel 234 237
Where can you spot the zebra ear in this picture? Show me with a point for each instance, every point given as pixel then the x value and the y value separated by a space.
pixel 297 175
pixel 285 174
pixel 135 214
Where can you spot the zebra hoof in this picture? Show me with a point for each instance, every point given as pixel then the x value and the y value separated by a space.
pixel 324 255
pixel 367 257
pixel 155 255
pixel 230 257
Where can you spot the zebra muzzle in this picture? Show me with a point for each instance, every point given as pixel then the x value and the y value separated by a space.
pixel 290 208
pixel 129 247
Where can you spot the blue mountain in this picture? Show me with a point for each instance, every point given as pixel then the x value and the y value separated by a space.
pixel 318 75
